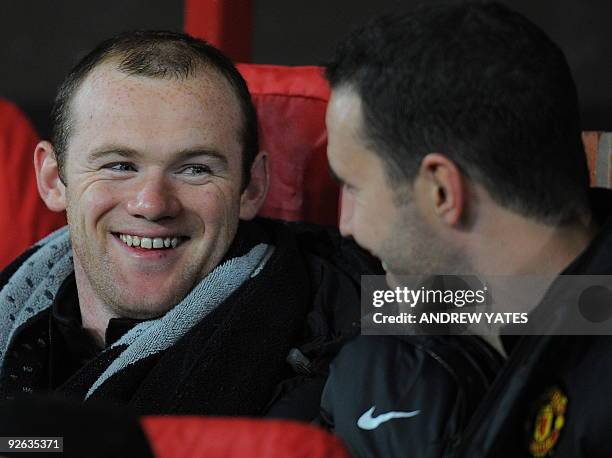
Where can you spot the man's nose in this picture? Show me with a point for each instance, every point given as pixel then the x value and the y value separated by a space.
pixel 346 214
pixel 153 198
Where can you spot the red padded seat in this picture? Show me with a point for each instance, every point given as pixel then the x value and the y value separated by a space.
pixel 291 103
pixel 24 218
pixel 214 437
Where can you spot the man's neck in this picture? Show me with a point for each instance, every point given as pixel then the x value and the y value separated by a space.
pixel 94 314
pixel 508 247
pixel 509 244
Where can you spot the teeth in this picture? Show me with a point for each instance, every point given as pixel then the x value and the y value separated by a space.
pixel 149 243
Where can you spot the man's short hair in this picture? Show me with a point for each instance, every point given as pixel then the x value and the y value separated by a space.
pixel 155 54
pixel 480 84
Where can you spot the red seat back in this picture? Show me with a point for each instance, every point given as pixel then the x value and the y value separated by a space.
pixel 291 103
pixel 24 218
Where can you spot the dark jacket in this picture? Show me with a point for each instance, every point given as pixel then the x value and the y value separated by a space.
pixel 406 395
pixel 235 361
pixel 553 396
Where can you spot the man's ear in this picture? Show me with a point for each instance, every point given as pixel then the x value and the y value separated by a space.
pixel 444 186
pixel 256 191
pixel 50 186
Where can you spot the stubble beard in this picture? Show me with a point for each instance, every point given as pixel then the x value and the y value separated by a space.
pixel 414 250
pixel 117 301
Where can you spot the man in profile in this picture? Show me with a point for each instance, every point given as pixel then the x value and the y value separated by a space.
pixel 456 133
pixel 163 292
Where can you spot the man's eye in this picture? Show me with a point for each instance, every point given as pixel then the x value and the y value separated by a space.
pixel 120 167
pixel 195 170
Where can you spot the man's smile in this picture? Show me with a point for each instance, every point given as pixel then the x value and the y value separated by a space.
pixel 151 243
pixel 162 249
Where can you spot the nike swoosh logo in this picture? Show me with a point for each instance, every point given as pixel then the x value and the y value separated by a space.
pixel 368 422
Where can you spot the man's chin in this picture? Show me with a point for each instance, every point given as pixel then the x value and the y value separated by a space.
pixel 146 304
pixel 143 310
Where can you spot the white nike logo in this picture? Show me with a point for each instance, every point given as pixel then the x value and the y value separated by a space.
pixel 368 422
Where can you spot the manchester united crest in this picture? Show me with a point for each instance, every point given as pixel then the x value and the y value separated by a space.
pixel 549 422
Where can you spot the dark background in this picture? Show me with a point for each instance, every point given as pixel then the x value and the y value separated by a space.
pixel 40 40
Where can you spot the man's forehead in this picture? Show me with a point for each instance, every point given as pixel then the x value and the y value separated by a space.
pixel 344 110
pixel 106 79
pixel 109 95
pixel 352 157
pixel 115 110
pixel 345 128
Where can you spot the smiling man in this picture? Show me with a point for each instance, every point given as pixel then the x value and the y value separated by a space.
pixel 150 176
pixel 163 293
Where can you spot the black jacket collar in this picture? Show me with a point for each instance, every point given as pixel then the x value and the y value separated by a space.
pixel 597 257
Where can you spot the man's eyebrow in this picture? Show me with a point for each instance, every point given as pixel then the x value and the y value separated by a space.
pixel 183 155
pixel 124 152
pixel 196 152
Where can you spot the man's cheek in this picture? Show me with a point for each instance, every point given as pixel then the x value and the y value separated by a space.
pixel 217 206
pixel 97 198
pixel 99 204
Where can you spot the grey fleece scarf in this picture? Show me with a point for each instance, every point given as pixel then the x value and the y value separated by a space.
pixel 33 288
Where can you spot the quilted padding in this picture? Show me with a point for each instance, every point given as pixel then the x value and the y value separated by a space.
pixel 291 103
